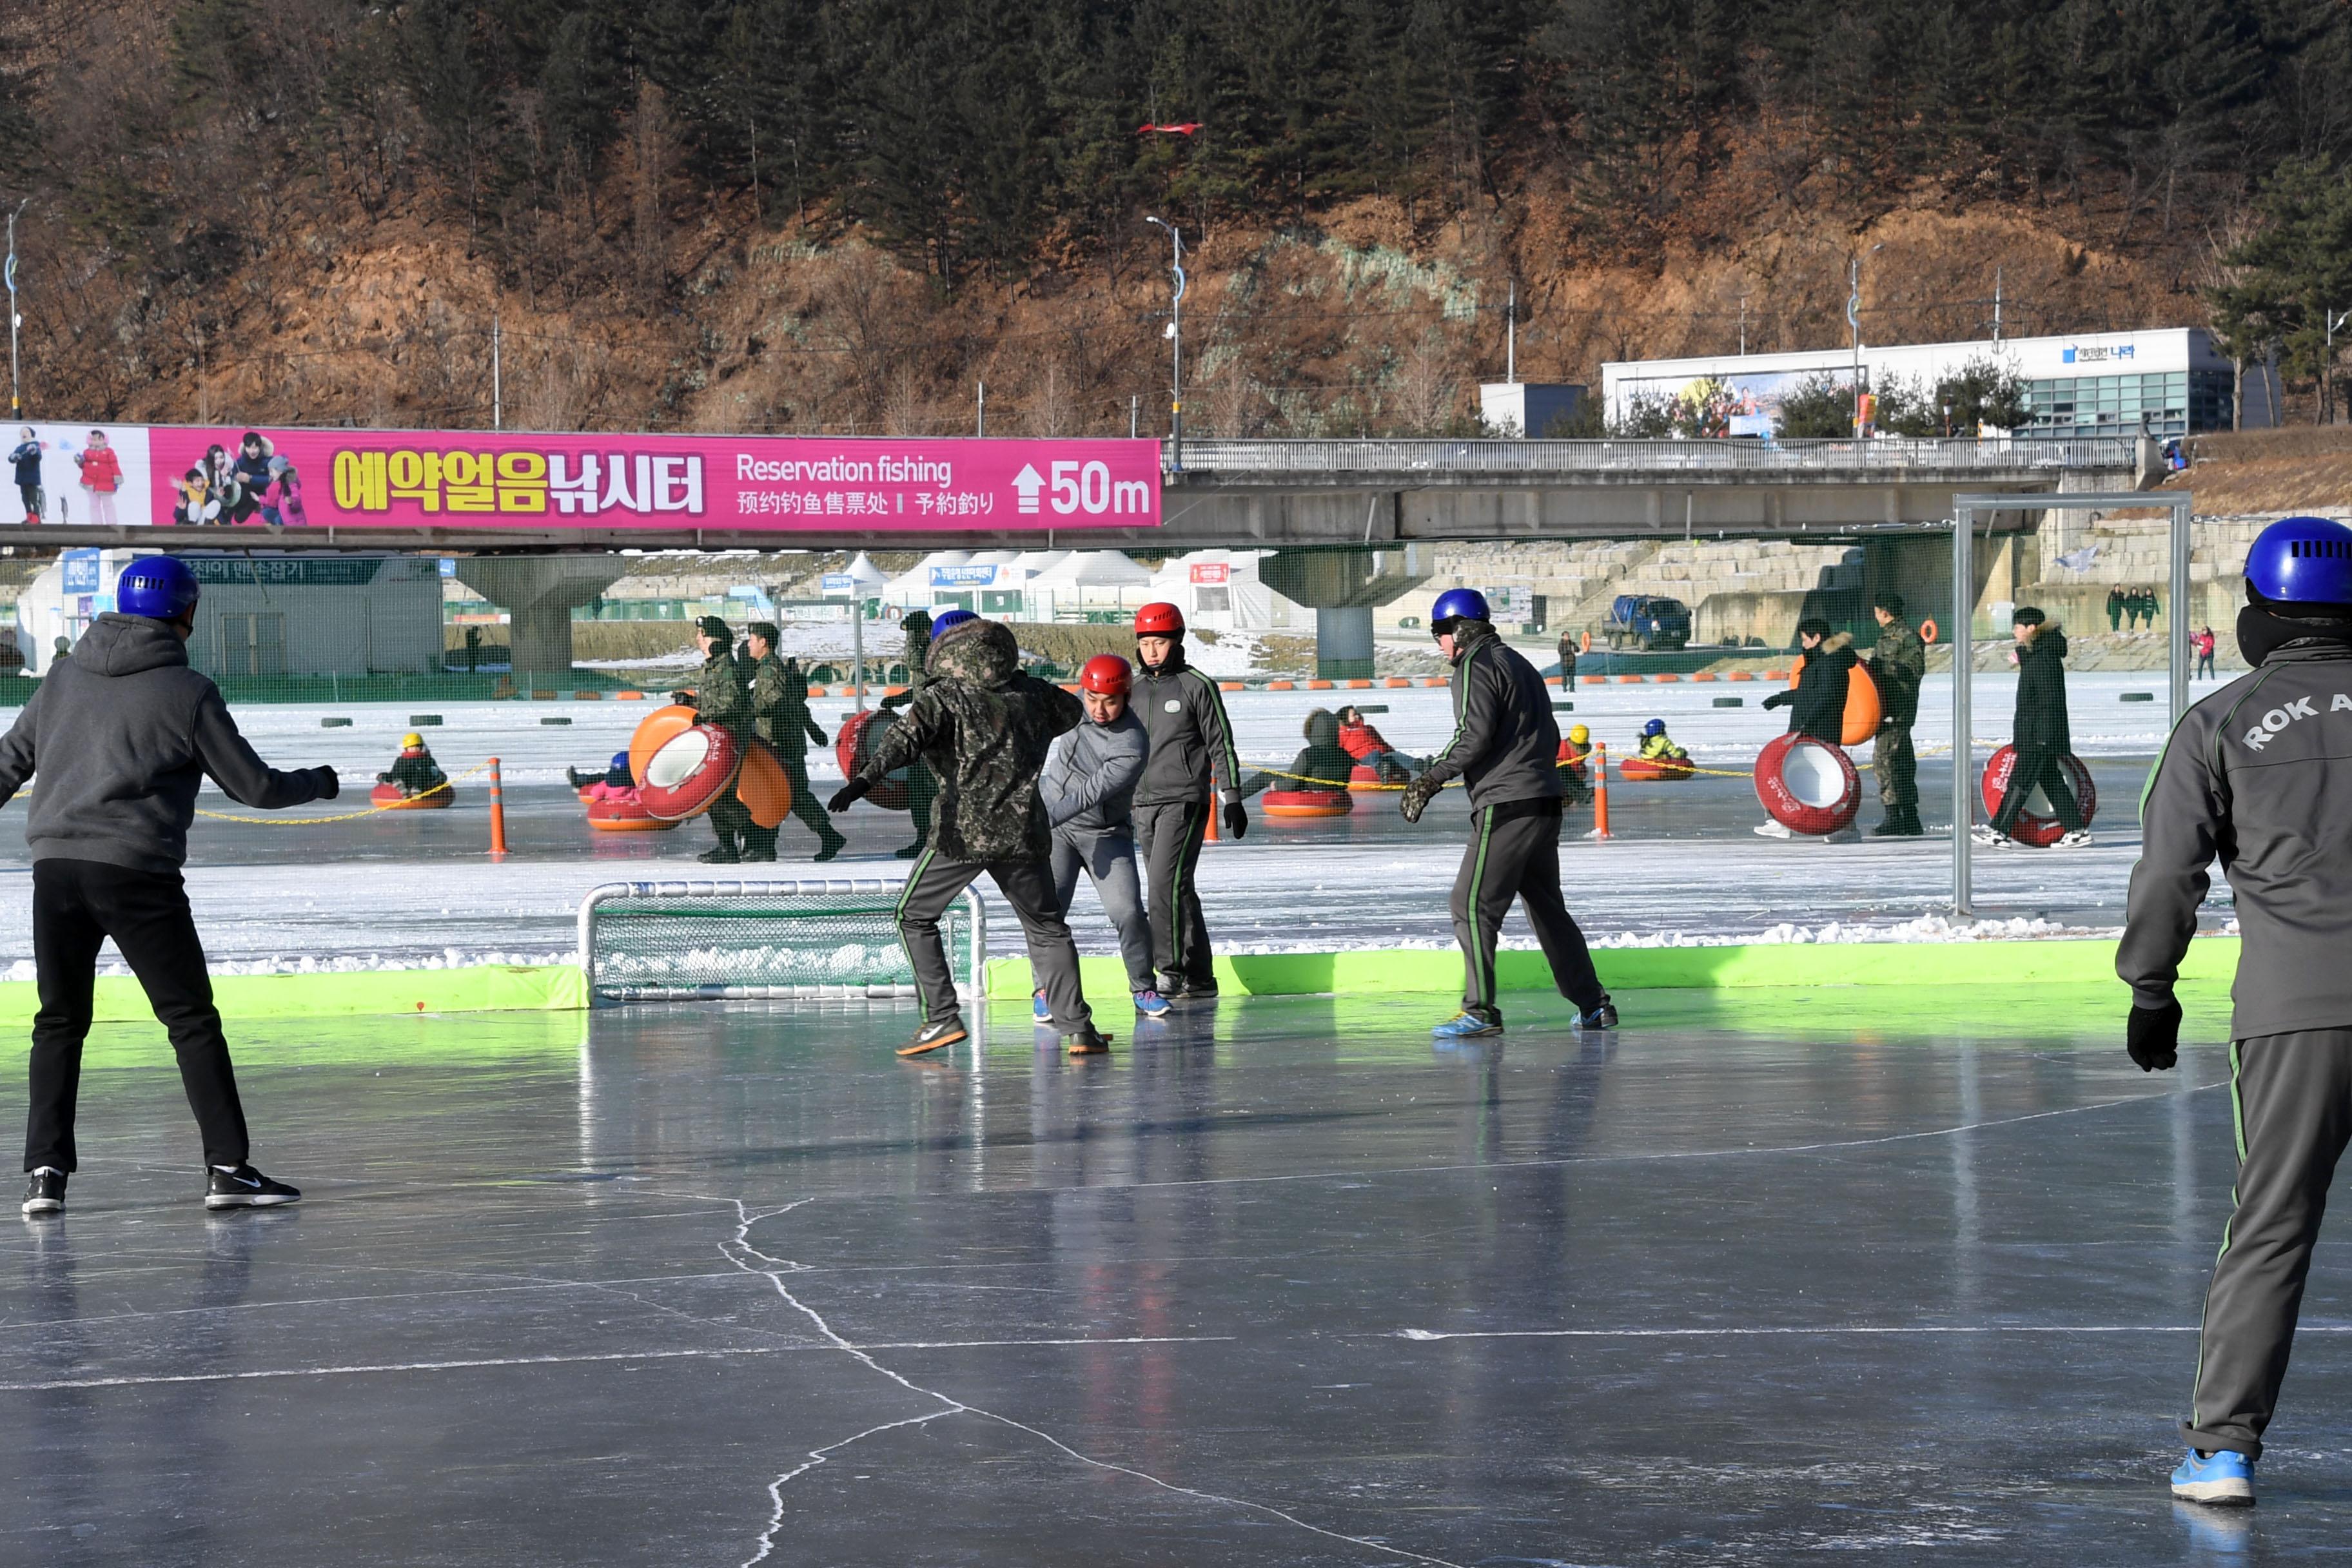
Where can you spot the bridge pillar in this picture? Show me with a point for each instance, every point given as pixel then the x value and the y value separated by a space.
pixel 540 592
pixel 1342 585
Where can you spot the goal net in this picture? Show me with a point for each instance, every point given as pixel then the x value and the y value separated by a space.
pixel 812 937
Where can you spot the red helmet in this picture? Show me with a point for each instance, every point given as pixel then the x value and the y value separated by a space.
pixel 1159 621
pixel 1106 674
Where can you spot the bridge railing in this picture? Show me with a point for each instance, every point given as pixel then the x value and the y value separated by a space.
pixel 1605 457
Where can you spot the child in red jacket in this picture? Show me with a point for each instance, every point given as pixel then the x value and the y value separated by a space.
pixel 101 476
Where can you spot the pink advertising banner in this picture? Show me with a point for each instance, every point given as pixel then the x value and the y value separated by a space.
pixel 761 484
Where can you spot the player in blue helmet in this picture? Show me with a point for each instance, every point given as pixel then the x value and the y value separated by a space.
pixel 616 774
pixel 2259 776
pixel 122 733
pixel 1505 751
pixel 1657 745
pixel 949 620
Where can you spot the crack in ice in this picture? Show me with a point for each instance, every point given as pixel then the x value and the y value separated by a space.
pixel 738 1247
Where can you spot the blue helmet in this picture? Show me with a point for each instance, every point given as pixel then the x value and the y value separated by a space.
pixel 619 763
pixel 2302 561
pixel 1460 603
pixel 156 586
pixel 948 618
pixel 1655 727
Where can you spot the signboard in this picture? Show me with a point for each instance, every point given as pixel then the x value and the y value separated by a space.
pixel 1515 603
pixel 839 583
pixel 1213 573
pixel 963 576
pixel 270 572
pixel 167 476
pixel 81 570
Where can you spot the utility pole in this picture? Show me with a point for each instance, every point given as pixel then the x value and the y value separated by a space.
pixel 498 386
pixel 2328 366
pixel 1511 335
pixel 1853 326
pixel 1743 326
pixel 1996 307
pixel 15 394
pixel 980 408
pixel 1176 346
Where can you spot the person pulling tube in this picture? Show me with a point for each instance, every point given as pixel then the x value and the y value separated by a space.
pixel 1505 750
pixel 122 734
pixel 2259 775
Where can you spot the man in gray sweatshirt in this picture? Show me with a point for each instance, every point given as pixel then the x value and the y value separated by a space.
pixel 122 733
pixel 2259 777
pixel 1088 788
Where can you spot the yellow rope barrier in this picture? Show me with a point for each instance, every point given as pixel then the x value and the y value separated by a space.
pixel 343 817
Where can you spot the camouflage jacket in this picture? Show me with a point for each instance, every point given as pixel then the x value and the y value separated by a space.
pixel 1898 664
pixel 719 694
pixel 984 728
pixel 779 709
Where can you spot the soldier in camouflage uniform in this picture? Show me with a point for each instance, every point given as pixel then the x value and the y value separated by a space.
pixel 921 786
pixel 985 728
pixel 780 716
pixel 1898 664
pixel 719 698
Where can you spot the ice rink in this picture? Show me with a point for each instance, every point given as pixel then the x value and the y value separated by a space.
pixel 1767 1281
pixel 412 888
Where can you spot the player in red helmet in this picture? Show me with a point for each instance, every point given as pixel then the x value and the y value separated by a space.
pixel 1088 788
pixel 1192 752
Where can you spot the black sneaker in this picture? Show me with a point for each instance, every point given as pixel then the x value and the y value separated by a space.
pixel 909 852
pixel 831 847
pixel 1602 1015
pixel 763 856
pixel 45 1191
pixel 931 1036
pixel 245 1188
pixel 722 856
pixel 1088 1042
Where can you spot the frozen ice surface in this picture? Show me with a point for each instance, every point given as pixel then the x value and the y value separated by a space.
pixel 411 890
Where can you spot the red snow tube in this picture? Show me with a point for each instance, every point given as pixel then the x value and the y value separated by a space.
pixel 387 797
pixel 1638 770
pixel 2039 831
pixel 1301 802
pixel 854 741
pixel 624 817
pixel 1362 778
pixel 690 771
pixel 1808 785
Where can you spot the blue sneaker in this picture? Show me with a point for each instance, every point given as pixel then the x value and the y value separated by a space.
pixel 1039 1008
pixel 1602 1016
pixel 1469 1025
pixel 2223 1479
pixel 1151 1005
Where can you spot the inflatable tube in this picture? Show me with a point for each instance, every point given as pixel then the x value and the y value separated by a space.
pixel 387 797
pixel 1584 642
pixel 1638 770
pixel 690 772
pixel 655 727
pixel 2039 831
pixel 1808 785
pixel 1928 631
pixel 764 786
pixel 853 742
pixel 1361 778
pixel 624 817
pixel 1863 710
pixel 1305 803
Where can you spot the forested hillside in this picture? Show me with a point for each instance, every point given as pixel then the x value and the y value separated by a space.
pixel 843 214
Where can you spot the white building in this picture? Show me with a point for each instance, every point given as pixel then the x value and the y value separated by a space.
pixel 2090 384
pixel 1221 590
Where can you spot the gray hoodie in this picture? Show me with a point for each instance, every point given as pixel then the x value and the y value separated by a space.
pixel 122 733
pixel 1089 784
pixel 2259 776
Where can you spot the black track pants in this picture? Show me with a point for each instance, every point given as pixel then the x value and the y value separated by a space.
pixel 77 905
pixel 1169 838
pixel 2291 1096
pixel 2039 765
pixel 1028 886
pixel 1514 854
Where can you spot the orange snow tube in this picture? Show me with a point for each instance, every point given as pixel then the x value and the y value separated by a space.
pixel 656 730
pixel 762 786
pixel 1361 778
pixel 1305 803
pixel 387 797
pixel 1862 705
pixel 2031 828
pixel 1652 769
pixel 624 817
pixel 853 742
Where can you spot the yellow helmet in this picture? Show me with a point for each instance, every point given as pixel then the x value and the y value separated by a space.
pixel 1579 734
pixel 411 739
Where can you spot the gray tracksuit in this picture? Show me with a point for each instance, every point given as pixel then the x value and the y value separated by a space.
pixel 1088 788
pixel 2259 775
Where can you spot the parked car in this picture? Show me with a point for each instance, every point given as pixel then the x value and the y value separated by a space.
pixel 1647 621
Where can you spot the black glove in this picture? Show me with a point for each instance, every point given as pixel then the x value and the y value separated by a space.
pixel 329 786
pixel 888 705
pixel 848 794
pixel 1416 797
pixel 1779 699
pixel 1236 820
pixel 685 697
pixel 2153 1036
pixel 820 738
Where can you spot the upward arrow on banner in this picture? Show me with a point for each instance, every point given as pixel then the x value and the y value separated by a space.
pixel 1028 481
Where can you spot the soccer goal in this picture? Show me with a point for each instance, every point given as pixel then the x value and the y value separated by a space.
pixel 817 938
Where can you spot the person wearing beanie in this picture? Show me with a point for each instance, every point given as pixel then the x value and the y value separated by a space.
pixel 780 716
pixel 922 786
pixel 721 697
pixel 1898 664
pixel 2042 734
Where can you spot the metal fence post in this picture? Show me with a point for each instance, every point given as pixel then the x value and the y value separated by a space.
pixel 1964 573
pixel 2177 635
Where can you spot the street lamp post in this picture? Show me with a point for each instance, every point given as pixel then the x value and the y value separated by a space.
pixel 1176 346
pixel 16 396
pixel 1853 326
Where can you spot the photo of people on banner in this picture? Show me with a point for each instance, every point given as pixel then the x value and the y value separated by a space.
pixel 250 482
pixel 92 476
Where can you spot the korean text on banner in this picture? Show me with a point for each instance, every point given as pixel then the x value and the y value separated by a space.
pixel 391 478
